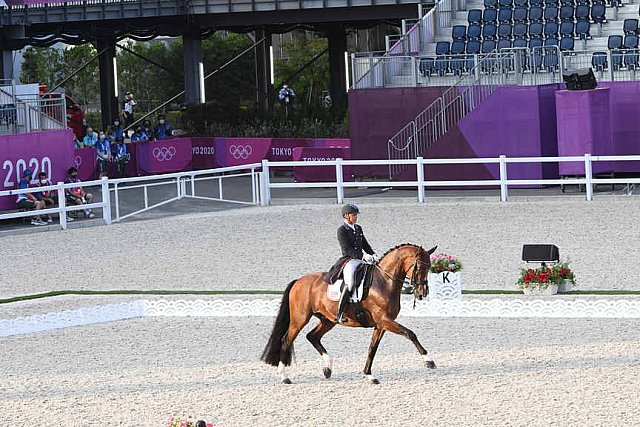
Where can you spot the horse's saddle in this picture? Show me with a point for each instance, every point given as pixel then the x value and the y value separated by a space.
pixel 361 288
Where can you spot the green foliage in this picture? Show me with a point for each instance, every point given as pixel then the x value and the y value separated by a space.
pixel 84 87
pixel 42 65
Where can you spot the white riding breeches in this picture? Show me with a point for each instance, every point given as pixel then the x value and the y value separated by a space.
pixel 349 271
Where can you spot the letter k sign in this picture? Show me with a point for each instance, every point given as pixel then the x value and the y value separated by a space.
pixel 445 277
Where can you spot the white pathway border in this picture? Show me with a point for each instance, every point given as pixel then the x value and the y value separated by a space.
pixel 472 307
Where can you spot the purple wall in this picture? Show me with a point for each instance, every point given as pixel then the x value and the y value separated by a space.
pixel 514 121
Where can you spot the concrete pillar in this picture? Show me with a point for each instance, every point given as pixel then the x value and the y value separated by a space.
pixel 193 69
pixel 263 71
pixel 337 47
pixel 108 81
pixel 6 65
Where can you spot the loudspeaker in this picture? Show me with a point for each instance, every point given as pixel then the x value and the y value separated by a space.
pixel 540 253
pixel 581 79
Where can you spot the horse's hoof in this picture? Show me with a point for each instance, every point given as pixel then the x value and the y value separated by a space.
pixel 286 381
pixel 374 381
pixel 430 364
pixel 326 372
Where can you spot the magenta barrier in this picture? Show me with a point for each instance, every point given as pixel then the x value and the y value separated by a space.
pixel 165 156
pixel 320 173
pixel 85 161
pixel 203 153
pixel 241 151
pixel 50 151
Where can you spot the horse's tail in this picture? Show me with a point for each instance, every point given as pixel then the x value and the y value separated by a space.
pixel 271 353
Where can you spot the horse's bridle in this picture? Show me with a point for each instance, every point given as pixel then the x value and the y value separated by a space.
pixel 416 265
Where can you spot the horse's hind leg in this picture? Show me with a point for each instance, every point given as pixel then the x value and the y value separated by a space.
pixel 298 321
pixel 314 338
pixel 373 348
pixel 397 328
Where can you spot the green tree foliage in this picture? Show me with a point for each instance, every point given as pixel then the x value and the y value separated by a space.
pixel 41 65
pixel 83 87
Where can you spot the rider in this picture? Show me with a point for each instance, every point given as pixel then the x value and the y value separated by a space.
pixel 355 249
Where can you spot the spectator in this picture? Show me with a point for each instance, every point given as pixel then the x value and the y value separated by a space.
pixel 48 197
pixel 103 153
pixel 121 157
pixel 286 95
pixel 127 112
pixel 139 135
pixel 116 133
pixel 146 127
pixel 90 139
pixel 28 200
pixel 77 195
pixel 163 129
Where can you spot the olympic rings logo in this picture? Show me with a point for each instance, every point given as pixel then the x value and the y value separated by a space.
pixel 164 153
pixel 240 151
pixel 77 162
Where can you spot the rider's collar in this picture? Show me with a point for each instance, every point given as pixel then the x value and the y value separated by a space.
pixel 351 226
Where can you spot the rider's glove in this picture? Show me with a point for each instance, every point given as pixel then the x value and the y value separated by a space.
pixel 368 258
pixel 376 257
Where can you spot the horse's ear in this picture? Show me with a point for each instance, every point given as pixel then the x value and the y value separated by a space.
pixel 432 250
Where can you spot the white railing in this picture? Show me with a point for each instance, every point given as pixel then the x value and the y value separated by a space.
pixel 29 114
pixel 503 182
pixel 184 183
pixel 62 209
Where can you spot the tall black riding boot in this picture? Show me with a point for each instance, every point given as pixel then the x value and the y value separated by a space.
pixel 342 304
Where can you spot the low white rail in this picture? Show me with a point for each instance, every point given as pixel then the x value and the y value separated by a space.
pixel 503 182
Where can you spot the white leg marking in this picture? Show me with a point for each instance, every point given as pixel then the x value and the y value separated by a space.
pixel 427 358
pixel 328 361
pixel 370 377
pixel 281 371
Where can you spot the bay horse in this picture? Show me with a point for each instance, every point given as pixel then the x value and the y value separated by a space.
pixel 307 296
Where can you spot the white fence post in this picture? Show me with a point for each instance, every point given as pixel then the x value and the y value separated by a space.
pixel 264 184
pixel 106 201
pixel 588 174
pixel 420 175
pixel 339 181
pixel 504 195
pixel 62 206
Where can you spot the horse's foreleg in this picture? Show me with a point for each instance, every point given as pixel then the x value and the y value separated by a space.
pixel 373 348
pixel 314 338
pixel 397 328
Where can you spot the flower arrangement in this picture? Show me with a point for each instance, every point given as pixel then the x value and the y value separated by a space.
pixel 543 277
pixel 187 422
pixel 444 262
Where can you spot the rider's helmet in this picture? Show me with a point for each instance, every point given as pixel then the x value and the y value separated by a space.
pixel 350 208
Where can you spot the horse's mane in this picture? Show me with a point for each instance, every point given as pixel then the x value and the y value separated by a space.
pixel 398 247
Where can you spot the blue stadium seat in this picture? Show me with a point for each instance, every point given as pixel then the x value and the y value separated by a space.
pixel 566 44
pixel 566 29
pixel 535 30
pixel 550 61
pixel 567 3
pixel 599 61
pixel 443 48
pixel 457 64
pixel 630 41
pixel 555 3
pixel 566 13
pixel 520 14
pixel 473 47
pixel 614 42
pixel 490 15
pixel 582 12
pixel 488 46
pixel 427 66
pixel 631 59
pixel 506 3
pixel 504 15
pixel 459 32
pixel 521 3
pixel 616 59
pixel 535 43
pixel 550 14
pixel 550 29
pixel 535 14
pixel 519 43
pixel 474 32
pixel 442 65
pixel 551 41
pixel 535 63
pixel 535 3
pixel 520 31
pixel 630 26
pixel 504 44
pixel 489 32
pixel 583 30
pixel 458 47
pixel 504 31
pixel 598 13
pixel 474 16
pixel 490 4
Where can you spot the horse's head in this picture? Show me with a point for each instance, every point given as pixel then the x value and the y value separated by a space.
pixel 418 270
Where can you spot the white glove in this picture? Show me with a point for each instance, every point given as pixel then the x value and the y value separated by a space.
pixel 376 257
pixel 368 258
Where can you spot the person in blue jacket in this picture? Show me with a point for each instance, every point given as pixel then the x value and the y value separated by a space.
pixel 163 129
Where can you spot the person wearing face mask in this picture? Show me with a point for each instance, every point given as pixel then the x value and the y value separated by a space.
pixel 103 153
pixel 163 129
pixel 139 135
pixel 90 139
pixel 146 128
pixel 77 195
pixel 116 133
pixel 120 157
pixel 48 197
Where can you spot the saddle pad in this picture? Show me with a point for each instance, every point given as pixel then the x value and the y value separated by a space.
pixel 334 291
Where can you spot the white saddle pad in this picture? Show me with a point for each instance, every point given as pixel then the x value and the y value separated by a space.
pixel 333 291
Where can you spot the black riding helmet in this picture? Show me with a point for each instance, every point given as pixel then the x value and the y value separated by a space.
pixel 350 208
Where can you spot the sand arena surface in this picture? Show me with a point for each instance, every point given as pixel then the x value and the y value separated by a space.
pixel 491 371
